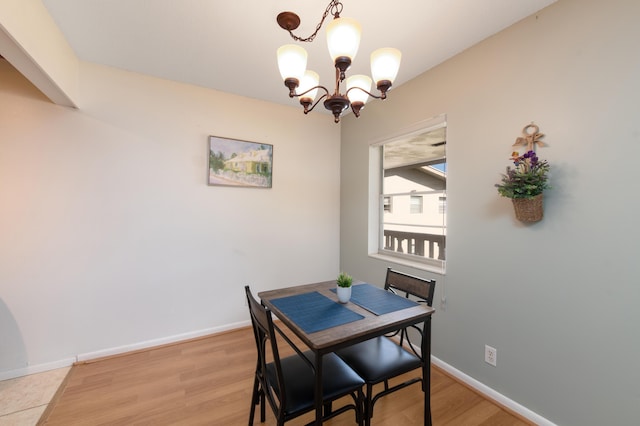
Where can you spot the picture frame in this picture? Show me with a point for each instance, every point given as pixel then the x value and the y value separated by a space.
pixel 239 163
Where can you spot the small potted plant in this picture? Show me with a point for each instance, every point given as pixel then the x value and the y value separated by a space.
pixel 524 184
pixel 344 282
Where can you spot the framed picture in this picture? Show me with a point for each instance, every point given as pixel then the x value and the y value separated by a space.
pixel 239 163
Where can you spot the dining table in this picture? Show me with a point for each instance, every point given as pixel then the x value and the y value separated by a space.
pixel 314 314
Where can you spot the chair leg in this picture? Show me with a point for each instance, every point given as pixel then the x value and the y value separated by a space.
pixel 358 402
pixel 368 405
pixel 328 408
pixel 360 412
pixel 263 408
pixel 254 401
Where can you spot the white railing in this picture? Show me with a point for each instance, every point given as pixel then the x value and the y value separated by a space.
pixel 430 246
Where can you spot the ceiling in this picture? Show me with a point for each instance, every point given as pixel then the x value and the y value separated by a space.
pixel 231 45
pixel 416 150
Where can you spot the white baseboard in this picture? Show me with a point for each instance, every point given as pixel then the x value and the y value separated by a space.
pixel 162 341
pixel 492 394
pixel 39 368
pixel 33 369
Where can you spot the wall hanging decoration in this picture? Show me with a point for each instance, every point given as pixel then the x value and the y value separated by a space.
pixel 239 163
pixel 525 182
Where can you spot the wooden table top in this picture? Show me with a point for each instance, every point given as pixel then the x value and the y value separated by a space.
pixel 334 338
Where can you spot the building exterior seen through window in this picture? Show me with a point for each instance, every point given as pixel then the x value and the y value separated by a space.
pixel 413 199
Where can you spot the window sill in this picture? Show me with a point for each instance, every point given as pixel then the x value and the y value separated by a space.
pixel 407 262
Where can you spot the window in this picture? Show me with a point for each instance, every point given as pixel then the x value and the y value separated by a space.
pixel 387 204
pixel 442 207
pixel 413 177
pixel 416 204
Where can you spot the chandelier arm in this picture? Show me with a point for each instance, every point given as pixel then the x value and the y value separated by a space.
pixel 382 96
pixel 307 109
pixel 334 7
pixel 298 95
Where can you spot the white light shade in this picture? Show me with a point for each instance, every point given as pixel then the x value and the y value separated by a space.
pixel 343 38
pixel 361 81
pixel 292 61
pixel 309 80
pixel 385 64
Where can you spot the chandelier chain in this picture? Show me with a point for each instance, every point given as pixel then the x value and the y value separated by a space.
pixel 334 7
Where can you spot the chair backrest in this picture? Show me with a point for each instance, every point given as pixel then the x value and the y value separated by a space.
pixel 421 288
pixel 264 333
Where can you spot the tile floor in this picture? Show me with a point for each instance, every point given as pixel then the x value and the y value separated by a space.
pixel 24 399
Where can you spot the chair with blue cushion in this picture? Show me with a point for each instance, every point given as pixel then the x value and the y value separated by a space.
pixel 382 358
pixel 288 383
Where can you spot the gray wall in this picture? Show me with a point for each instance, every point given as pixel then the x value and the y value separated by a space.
pixel 558 299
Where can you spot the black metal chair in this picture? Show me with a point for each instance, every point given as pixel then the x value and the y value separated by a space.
pixel 383 358
pixel 288 383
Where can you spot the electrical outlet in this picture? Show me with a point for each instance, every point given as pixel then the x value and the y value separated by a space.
pixel 490 355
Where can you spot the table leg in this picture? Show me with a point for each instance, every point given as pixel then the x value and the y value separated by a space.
pixel 318 389
pixel 426 370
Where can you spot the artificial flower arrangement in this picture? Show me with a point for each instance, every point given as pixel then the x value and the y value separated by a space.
pixel 526 180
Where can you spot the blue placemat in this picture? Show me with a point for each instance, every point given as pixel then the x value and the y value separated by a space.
pixel 314 312
pixel 377 300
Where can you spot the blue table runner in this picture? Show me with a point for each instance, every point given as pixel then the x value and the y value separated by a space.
pixel 314 312
pixel 378 300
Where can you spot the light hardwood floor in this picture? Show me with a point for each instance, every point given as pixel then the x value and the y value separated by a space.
pixel 208 381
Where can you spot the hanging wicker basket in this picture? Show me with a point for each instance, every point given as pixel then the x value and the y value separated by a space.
pixel 528 209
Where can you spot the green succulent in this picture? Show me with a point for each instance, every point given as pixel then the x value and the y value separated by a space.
pixel 344 280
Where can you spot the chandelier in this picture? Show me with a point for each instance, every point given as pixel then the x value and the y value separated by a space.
pixel 343 39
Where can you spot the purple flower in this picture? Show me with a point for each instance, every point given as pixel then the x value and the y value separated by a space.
pixel 527 179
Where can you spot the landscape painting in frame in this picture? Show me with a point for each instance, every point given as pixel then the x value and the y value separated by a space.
pixel 239 163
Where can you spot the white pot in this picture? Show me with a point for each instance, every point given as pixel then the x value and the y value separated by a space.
pixel 344 294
